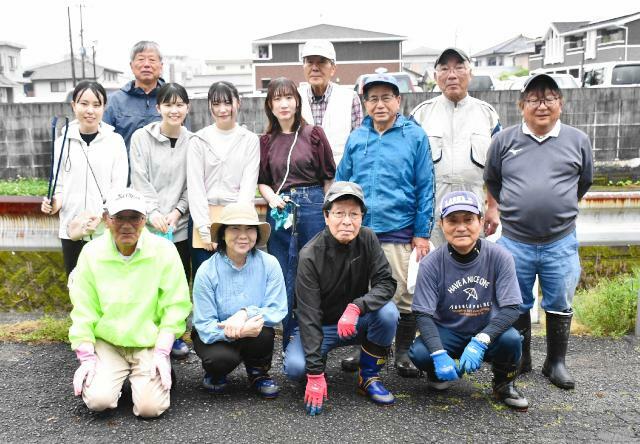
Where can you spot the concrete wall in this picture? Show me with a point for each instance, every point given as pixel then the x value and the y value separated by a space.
pixel 611 118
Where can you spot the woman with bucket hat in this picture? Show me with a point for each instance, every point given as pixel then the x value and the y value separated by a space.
pixel 238 297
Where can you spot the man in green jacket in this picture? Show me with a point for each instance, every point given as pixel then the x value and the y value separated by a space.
pixel 130 301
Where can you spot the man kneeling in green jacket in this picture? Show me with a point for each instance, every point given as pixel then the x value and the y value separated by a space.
pixel 130 300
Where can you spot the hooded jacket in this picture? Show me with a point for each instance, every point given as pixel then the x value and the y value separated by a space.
pixel 395 172
pixel 130 108
pixel 88 173
pixel 159 172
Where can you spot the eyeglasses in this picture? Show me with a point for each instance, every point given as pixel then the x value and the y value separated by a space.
pixel 375 99
pixel 457 70
pixel 548 101
pixel 133 220
pixel 341 215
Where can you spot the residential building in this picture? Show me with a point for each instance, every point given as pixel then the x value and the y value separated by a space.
pixel 237 71
pixel 54 82
pixel 419 63
pixel 10 71
pixel 357 51
pixel 508 56
pixel 570 47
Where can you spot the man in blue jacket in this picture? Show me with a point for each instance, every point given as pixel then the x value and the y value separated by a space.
pixel 390 158
pixel 134 105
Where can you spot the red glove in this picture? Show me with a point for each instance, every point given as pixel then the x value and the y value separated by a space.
pixel 348 321
pixel 315 394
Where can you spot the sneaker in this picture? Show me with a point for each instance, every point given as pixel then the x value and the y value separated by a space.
pixel 214 385
pixel 180 349
pixel 437 385
pixel 262 383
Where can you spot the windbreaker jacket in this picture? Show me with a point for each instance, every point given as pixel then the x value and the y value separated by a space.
pixel 159 172
pixel 127 302
pixel 395 172
pixel 87 174
pixel 332 275
pixel 130 108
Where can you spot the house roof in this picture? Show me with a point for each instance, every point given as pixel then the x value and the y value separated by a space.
pixel 11 44
pixel 423 50
pixel 517 44
pixel 604 23
pixel 563 27
pixel 330 32
pixel 62 70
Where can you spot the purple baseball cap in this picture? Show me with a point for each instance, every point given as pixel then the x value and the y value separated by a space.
pixel 459 201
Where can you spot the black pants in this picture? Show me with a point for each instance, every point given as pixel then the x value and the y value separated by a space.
pixel 222 357
pixel 70 252
pixel 185 257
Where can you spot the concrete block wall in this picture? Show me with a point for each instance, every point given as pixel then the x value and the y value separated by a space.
pixel 611 118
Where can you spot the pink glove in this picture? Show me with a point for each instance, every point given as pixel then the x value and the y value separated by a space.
pixel 161 362
pixel 87 370
pixel 315 394
pixel 348 321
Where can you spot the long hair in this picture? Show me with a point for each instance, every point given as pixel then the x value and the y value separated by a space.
pixel 277 88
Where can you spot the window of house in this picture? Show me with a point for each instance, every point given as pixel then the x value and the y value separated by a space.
pixel 491 61
pixel 611 35
pixel 13 63
pixel 241 66
pixel 57 86
pixel 538 48
pixel 262 51
pixel 574 42
pixel 264 83
pixel 499 61
pixel 219 67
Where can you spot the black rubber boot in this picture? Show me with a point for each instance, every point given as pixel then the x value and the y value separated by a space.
pixel 352 362
pixel 554 368
pixel 504 387
pixel 405 335
pixel 523 325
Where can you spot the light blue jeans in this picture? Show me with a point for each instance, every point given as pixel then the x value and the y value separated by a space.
pixel 377 326
pixel 557 265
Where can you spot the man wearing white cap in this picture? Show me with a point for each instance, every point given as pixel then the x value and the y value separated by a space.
pixel 130 301
pixel 337 109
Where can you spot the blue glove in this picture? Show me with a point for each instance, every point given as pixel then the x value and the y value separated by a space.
pixel 472 356
pixel 445 366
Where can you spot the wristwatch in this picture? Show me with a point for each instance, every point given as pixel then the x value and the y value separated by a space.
pixel 484 338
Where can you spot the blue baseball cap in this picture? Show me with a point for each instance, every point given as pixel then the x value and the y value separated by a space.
pixel 459 201
pixel 381 79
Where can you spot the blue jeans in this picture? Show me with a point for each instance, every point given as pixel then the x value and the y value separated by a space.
pixel 286 244
pixel 377 326
pixel 558 266
pixel 198 255
pixel 505 349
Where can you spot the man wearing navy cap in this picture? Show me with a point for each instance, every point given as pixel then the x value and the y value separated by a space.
pixel 538 171
pixel 466 301
pixel 459 128
pixel 389 157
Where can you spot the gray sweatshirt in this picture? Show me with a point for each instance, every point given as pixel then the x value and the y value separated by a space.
pixel 538 184
pixel 159 172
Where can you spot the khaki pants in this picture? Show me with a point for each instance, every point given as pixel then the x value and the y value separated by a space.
pixel 114 364
pixel 398 257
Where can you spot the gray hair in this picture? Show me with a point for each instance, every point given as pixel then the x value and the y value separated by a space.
pixel 143 45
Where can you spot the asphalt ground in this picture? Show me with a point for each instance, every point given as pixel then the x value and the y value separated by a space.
pixel 38 404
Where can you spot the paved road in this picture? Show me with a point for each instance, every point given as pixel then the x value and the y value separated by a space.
pixel 38 406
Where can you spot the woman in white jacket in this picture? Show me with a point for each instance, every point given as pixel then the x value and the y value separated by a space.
pixel 93 162
pixel 222 167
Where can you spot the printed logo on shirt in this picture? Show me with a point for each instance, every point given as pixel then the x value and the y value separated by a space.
pixel 466 281
pixel 466 291
pixel 515 151
pixel 471 293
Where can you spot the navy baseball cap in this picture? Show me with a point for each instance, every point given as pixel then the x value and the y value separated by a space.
pixel 459 201
pixel 381 79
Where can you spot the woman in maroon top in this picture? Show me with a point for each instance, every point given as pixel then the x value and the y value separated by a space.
pixel 296 168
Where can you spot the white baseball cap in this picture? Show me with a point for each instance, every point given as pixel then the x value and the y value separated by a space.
pixel 126 199
pixel 319 47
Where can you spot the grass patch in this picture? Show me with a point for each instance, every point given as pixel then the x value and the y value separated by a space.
pixel 24 186
pixel 45 330
pixel 610 307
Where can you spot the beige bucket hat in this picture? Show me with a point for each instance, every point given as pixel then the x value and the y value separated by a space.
pixel 241 213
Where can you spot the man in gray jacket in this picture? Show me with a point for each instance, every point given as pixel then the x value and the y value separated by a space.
pixel 538 171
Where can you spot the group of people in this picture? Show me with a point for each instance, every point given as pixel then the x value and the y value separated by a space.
pixel 354 204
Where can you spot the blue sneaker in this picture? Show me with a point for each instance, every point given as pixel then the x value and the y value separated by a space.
pixel 262 383
pixel 215 386
pixel 180 349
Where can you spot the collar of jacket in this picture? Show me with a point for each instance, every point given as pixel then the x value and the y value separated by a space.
pixel 111 253
pixel 400 122
pixel 154 130
pixel 333 242
pixel 74 130
pixel 131 89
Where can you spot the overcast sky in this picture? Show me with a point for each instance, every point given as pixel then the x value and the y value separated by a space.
pixel 224 29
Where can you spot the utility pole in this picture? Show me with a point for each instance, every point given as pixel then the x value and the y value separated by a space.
pixel 73 62
pixel 93 48
pixel 83 52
